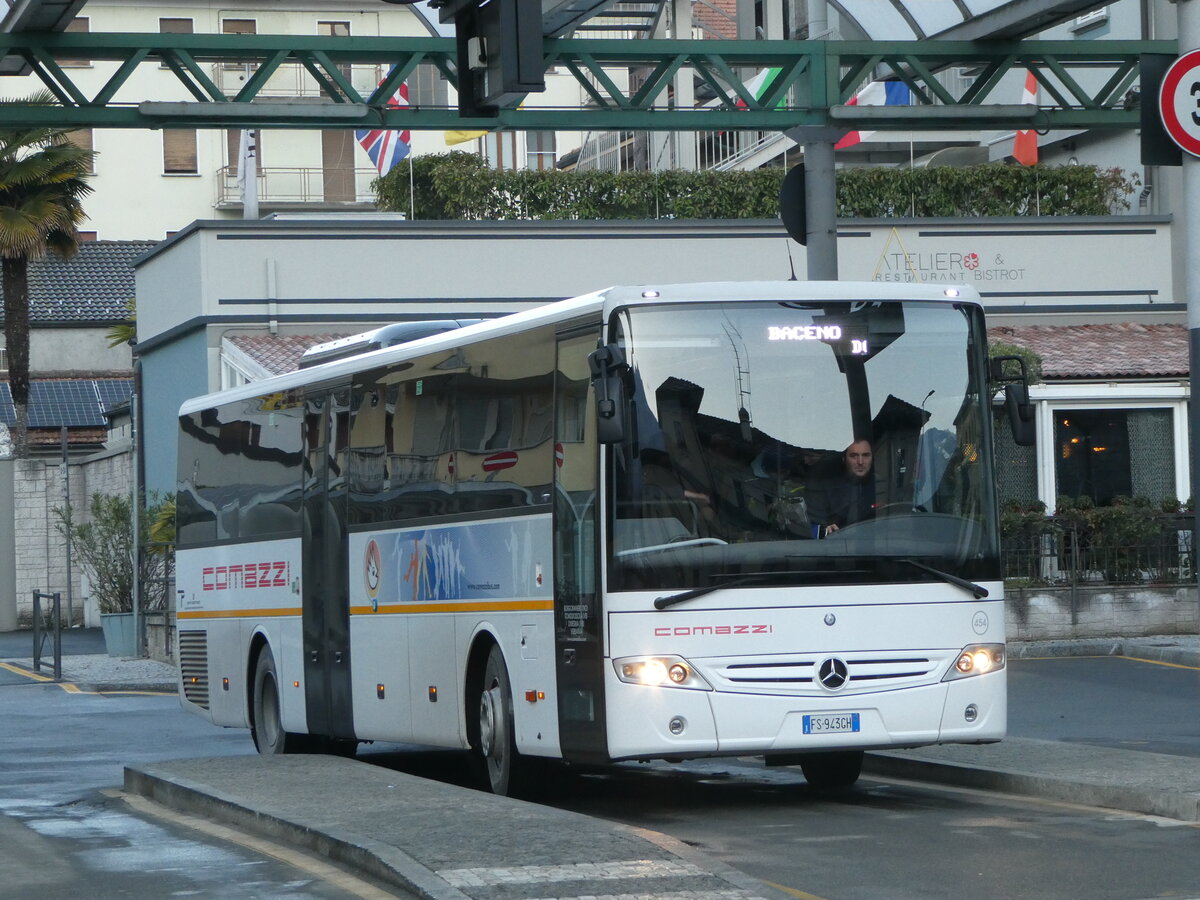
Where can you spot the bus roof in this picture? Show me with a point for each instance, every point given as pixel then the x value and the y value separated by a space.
pixel 601 303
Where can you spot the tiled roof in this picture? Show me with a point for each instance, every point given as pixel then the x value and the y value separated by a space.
pixel 91 287
pixel 1119 350
pixel 278 353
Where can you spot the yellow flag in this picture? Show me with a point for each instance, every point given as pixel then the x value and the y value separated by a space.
pixel 461 137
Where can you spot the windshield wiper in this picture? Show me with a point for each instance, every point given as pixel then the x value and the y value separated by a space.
pixel 977 589
pixel 684 596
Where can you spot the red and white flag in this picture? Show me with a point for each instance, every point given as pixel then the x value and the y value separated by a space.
pixel 1025 144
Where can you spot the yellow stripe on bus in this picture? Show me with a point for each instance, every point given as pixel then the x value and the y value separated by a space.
pixel 236 613
pixel 416 607
pixel 455 606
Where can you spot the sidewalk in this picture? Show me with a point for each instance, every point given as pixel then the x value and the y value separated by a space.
pixel 101 672
pixel 438 840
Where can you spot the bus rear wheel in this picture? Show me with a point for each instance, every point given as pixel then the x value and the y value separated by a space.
pixel 832 771
pixel 266 720
pixel 497 747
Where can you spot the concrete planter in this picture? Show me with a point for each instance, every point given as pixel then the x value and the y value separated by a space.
pixel 119 636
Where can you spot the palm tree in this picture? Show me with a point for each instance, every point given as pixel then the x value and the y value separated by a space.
pixel 43 180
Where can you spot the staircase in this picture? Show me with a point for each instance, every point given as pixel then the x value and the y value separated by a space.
pixel 625 18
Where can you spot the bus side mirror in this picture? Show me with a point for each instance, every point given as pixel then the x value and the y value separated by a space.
pixel 607 365
pixel 1016 400
pixel 1020 414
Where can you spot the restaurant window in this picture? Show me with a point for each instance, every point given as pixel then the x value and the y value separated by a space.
pixel 1107 453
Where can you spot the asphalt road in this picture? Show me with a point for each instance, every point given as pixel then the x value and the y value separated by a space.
pixel 1109 701
pixel 886 839
pixel 897 840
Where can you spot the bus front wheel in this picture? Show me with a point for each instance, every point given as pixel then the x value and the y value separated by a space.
pixel 266 720
pixel 832 771
pixel 497 739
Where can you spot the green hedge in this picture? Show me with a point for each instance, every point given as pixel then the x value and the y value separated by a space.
pixel 461 186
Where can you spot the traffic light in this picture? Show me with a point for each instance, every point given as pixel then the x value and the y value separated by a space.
pixel 499 52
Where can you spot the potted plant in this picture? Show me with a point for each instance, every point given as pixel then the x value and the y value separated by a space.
pixel 103 545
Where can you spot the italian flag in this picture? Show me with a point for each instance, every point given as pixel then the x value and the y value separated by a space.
pixel 759 83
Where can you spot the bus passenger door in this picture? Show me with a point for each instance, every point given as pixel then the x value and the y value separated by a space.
pixel 325 593
pixel 578 617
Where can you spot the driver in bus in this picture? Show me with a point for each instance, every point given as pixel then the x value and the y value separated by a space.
pixel 848 496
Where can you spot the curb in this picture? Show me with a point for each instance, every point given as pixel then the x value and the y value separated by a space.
pixel 1184 807
pixel 118 687
pixel 1153 649
pixel 390 864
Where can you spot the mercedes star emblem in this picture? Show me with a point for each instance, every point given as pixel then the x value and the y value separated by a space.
pixel 833 674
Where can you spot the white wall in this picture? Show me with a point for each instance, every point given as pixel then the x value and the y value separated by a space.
pixel 59 350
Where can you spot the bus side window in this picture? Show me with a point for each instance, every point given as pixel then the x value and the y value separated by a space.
pixel 195 512
pixel 503 416
pixel 269 469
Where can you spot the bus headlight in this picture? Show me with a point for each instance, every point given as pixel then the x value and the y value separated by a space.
pixel 660 671
pixel 977 659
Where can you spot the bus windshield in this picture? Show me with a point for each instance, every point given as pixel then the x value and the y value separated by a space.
pixel 798 443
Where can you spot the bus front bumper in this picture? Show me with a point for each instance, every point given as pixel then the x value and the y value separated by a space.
pixel 657 722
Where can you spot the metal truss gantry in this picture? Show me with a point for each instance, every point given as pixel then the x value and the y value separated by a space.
pixel 1085 84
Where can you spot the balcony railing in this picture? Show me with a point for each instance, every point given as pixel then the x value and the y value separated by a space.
pixel 300 186
pixel 291 80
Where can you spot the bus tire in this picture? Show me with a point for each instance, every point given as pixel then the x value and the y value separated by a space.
pixel 266 720
pixel 833 771
pixel 502 764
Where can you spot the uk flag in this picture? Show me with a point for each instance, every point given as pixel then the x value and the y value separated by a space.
pixel 387 148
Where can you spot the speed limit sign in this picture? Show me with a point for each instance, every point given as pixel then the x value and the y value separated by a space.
pixel 1179 102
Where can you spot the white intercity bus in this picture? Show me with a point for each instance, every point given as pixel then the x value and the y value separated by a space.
pixel 667 521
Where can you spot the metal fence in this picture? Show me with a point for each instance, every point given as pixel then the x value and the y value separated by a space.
pixel 1067 550
pixel 158 598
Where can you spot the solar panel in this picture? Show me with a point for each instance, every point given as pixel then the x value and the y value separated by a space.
pixel 8 415
pixel 113 391
pixel 76 404
pixel 71 403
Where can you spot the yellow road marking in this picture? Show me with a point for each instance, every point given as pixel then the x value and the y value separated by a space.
pixel 323 871
pixel 17 670
pixel 793 892
pixel 1158 662
pixel 69 688
pixel 1153 662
